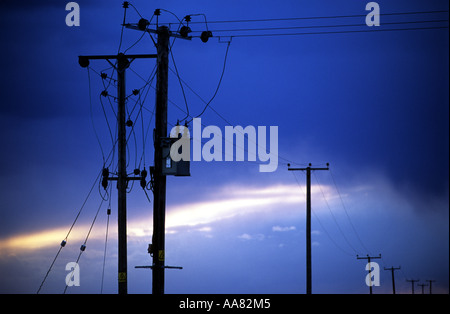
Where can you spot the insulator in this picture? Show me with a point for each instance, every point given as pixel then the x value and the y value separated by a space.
pixel 105 174
pixel 205 36
pixel 129 123
pixel 83 61
pixel 142 24
pixel 184 31
pixel 83 247
pixel 108 211
pixel 104 76
pixel 63 243
pixel 135 92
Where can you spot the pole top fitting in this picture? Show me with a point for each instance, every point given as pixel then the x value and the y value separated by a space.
pixel 83 61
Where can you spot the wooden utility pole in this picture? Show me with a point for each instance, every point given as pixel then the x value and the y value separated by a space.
pixel 431 281
pixel 159 186
pixel 412 281
pixel 392 269
pixel 123 62
pixel 368 258
pixel 157 248
pixel 308 222
pixel 422 285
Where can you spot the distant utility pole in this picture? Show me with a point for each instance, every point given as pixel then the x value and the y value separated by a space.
pixel 392 269
pixel 368 258
pixel 431 281
pixel 123 62
pixel 412 281
pixel 422 285
pixel 308 221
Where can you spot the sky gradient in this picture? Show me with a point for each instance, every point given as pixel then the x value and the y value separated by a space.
pixel 372 104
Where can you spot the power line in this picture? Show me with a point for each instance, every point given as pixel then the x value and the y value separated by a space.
pixel 320 222
pixel 336 32
pixel 319 26
pixel 83 246
pixel 108 213
pixel 313 17
pixel 334 217
pixel 64 241
pixel 220 81
pixel 346 213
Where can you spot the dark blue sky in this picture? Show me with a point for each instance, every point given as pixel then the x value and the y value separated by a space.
pixel 373 104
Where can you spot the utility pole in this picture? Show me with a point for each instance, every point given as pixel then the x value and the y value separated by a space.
pixel 431 281
pixel 392 269
pixel 422 285
pixel 122 179
pixel 157 248
pixel 159 187
pixel 368 258
pixel 308 222
pixel 122 64
pixel 412 281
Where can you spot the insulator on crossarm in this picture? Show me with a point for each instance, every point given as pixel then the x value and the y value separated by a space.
pixel 105 175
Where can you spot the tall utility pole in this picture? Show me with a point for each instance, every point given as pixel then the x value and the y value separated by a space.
pixel 122 179
pixel 122 64
pixel 392 269
pixel 431 281
pixel 368 258
pixel 159 186
pixel 412 281
pixel 422 285
pixel 157 248
pixel 308 222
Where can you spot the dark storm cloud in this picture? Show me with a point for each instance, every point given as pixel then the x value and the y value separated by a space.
pixel 40 4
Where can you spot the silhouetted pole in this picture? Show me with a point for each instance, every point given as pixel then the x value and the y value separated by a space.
pixel 431 281
pixel 368 258
pixel 308 223
pixel 392 269
pixel 122 175
pixel 422 285
pixel 159 193
pixel 412 281
pixel 122 178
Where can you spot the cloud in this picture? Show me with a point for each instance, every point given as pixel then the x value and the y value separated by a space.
pixel 258 236
pixel 231 201
pixel 282 229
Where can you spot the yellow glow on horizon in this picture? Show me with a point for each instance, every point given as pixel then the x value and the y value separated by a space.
pixel 230 201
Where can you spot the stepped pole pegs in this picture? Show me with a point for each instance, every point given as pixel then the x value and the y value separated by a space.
pixel 205 36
